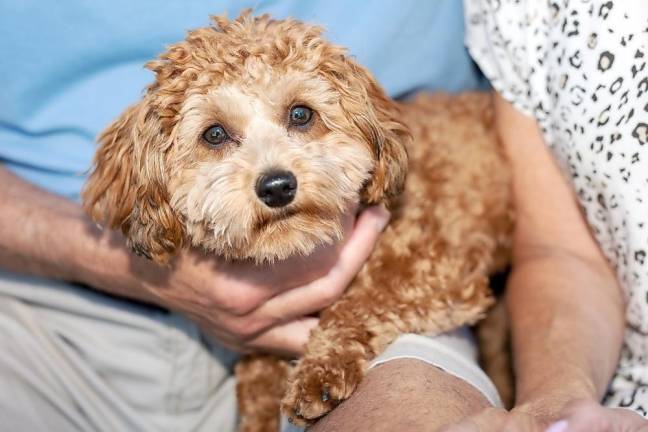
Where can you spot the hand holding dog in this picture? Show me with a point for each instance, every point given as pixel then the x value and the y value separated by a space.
pixel 245 306
pixel 252 307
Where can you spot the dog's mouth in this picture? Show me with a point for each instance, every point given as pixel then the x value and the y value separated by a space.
pixel 275 217
pixel 293 230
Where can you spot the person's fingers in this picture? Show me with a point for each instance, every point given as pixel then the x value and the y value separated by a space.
pixel 322 292
pixel 298 302
pixel 247 321
pixel 588 416
pixel 581 416
pixel 354 254
pixel 288 339
pixel 559 426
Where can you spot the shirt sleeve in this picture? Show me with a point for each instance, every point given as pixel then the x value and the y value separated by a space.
pixel 497 38
pixel 454 352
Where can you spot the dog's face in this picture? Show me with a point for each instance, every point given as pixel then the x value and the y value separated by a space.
pixel 255 138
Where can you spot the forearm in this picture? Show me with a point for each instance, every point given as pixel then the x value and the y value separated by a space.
pixel 566 308
pixel 47 235
pixel 567 319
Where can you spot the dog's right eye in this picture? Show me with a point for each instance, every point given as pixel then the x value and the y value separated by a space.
pixel 215 135
pixel 300 115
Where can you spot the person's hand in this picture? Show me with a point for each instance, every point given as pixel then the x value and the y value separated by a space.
pixel 578 416
pixel 244 306
pixel 251 307
pixel 588 416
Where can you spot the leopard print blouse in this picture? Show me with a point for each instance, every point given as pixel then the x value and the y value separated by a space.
pixel 579 68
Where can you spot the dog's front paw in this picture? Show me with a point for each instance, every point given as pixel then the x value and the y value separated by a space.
pixel 318 385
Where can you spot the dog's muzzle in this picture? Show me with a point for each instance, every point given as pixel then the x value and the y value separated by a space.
pixel 276 188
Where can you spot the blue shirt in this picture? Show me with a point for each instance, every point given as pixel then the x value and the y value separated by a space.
pixel 68 68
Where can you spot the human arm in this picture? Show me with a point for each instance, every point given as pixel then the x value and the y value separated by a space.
pixel 565 307
pixel 242 305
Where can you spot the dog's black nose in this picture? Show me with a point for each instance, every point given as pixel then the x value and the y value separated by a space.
pixel 277 189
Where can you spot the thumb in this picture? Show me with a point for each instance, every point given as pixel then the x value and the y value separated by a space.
pixel 377 215
pixel 371 222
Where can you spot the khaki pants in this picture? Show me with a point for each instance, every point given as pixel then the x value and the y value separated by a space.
pixel 72 359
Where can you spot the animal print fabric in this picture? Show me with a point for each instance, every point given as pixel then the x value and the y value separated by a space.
pixel 579 68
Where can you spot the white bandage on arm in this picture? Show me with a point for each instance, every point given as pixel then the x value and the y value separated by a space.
pixel 454 353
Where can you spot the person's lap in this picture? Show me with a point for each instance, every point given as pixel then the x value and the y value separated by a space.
pixel 77 360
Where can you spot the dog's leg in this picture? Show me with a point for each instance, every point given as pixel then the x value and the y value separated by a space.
pixel 370 316
pixel 260 384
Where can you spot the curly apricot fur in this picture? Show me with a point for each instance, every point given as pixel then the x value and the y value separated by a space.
pixel 451 221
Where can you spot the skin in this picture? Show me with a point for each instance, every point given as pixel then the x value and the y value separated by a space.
pixel 407 395
pixel 578 416
pixel 244 306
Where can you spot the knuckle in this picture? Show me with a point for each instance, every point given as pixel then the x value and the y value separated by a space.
pixel 239 302
pixel 244 328
pixel 329 294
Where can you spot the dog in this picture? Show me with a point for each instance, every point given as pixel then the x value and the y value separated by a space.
pixel 254 139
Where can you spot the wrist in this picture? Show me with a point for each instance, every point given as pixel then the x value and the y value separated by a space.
pixel 102 260
pixel 46 235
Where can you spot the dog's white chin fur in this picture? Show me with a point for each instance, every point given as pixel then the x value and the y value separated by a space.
pixel 277 240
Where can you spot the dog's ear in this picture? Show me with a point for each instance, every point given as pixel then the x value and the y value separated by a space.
pixel 389 137
pixel 379 120
pixel 126 188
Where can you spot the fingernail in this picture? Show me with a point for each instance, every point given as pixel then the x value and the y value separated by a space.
pixel 559 426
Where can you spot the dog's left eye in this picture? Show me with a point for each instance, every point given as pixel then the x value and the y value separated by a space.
pixel 300 115
pixel 215 135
